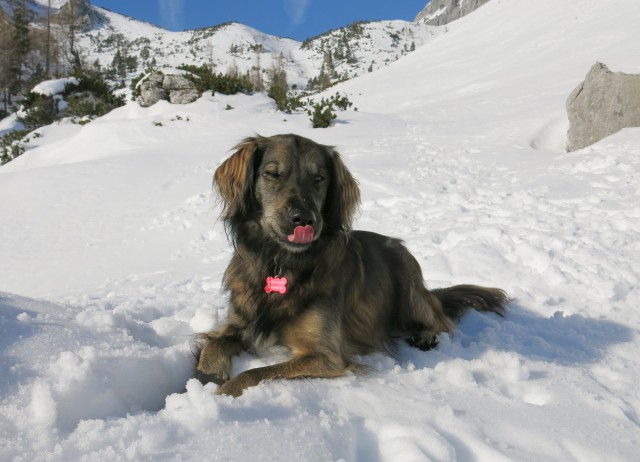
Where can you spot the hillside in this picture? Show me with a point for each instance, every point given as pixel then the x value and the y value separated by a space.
pixel 111 258
pixel 234 44
pixel 355 49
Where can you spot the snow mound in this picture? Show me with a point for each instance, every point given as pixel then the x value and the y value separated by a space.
pixel 54 87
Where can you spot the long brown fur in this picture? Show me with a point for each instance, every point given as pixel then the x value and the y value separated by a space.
pixel 348 293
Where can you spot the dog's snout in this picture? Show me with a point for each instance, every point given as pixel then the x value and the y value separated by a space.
pixel 302 217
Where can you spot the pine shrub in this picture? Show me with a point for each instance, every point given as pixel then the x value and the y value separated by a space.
pixel 38 111
pixel 206 80
pixel 322 114
pixel 11 145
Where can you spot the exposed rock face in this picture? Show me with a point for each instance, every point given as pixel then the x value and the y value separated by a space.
pixel 81 14
pixel 175 88
pixel 605 103
pixel 440 12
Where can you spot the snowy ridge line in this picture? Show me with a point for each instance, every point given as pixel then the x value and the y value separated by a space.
pixel 375 45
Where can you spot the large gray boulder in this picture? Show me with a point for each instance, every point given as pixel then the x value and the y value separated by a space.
pixel 177 82
pixel 185 96
pixel 441 12
pixel 605 103
pixel 174 88
pixel 181 90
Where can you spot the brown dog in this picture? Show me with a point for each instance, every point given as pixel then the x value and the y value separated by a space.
pixel 301 278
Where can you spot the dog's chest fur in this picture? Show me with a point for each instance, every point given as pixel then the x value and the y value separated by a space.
pixel 266 314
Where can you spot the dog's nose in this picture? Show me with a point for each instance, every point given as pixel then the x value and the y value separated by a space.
pixel 301 217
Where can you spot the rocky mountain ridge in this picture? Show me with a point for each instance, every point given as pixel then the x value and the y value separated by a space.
pixel 441 12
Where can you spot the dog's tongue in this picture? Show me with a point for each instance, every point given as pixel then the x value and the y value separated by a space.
pixel 301 235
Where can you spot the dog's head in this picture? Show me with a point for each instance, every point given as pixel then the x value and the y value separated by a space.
pixel 288 188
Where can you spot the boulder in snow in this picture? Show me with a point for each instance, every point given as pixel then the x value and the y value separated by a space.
pixel 605 103
pixel 150 94
pixel 174 88
pixel 183 96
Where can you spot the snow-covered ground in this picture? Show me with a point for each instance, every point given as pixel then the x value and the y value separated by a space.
pixel 111 257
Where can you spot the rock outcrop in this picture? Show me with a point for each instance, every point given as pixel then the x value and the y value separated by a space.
pixel 81 14
pixel 605 103
pixel 440 12
pixel 174 88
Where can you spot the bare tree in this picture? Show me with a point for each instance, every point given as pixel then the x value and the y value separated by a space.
pixel 70 20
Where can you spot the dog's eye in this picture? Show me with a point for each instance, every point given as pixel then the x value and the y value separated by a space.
pixel 318 179
pixel 271 175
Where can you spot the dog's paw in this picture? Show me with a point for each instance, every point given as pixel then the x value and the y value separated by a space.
pixel 230 388
pixel 218 378
pixel 423 342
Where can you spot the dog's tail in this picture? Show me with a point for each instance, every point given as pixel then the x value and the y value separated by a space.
pixel 458 299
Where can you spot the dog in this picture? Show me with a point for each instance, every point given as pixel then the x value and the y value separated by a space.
pixel 300 277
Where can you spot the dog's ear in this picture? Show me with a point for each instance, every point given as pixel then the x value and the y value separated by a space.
pixel 234 178
pixel 343 197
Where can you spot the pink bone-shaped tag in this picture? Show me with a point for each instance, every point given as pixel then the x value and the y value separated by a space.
pixel 276 284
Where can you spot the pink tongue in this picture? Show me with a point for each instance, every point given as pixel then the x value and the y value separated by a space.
pixel 301 235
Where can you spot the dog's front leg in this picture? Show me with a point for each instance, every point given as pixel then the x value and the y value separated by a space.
pixel 317 365
pixel 215 353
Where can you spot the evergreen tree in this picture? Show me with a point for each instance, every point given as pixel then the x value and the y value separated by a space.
pixel 328 65
pixel 144 53
pixel 278 86
pixel 256 70
pixel 19 45
pixel 119 65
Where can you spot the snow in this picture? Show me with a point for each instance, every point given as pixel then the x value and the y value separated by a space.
pixel 111 257
pixel 54 87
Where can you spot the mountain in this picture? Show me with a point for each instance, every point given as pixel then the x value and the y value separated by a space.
pixel 354 48
pixel 346 52
pixel 112 256
pixel 441 12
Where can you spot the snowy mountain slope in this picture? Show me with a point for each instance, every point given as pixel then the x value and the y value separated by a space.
pixel 360 47
pixel 233 44
pixel 111 257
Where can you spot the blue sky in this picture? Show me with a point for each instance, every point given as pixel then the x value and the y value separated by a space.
pixel 298 19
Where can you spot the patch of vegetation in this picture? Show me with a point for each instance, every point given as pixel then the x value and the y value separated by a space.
pixel 322 113
pixel 354 30
pixel 206 32
pixel 37 111
pixel 90 98
pixel 292 103
pixel 207 80
pixel 12 145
